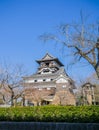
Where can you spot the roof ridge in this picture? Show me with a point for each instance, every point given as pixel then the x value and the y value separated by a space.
pixel 47 55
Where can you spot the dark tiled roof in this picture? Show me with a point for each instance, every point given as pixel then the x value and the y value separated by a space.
pixel 48 75
pixel 48 57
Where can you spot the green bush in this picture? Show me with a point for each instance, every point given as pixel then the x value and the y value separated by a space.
pixel 81 114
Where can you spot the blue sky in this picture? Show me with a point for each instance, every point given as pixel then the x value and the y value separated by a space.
pixel 22 21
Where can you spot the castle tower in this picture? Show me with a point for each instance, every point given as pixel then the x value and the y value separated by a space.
pixel 49 83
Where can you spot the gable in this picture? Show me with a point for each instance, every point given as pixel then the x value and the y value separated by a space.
pixel 61 79
pixel 47 57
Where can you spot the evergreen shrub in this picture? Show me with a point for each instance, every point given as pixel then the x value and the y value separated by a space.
pixel 74 114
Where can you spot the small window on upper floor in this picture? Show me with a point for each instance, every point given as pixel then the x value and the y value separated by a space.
pixel 35 80
pixel 45 70
pixel 44 80
pixel 47 64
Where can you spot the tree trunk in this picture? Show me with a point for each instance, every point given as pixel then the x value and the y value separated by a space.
pixel 12 98
pixel 97 65
pixel 23 101
pixel 15 102
pixel 97 71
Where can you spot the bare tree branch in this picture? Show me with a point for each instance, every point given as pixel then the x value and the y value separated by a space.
pixel 81 38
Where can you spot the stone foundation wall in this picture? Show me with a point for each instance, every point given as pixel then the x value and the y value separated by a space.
pixel 64 98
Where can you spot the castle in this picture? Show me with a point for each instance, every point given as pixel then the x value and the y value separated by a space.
pixel 49 85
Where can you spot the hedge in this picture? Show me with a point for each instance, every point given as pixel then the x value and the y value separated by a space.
pixel 77 114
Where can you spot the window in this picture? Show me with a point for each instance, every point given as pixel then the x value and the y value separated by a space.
pixel 35 80
pixel 47 64
pixel 44 79
pixel 46 70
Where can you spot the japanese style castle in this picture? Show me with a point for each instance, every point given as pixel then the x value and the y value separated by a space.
pixel 49 85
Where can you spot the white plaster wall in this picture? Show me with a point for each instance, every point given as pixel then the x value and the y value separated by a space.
pixel 29 81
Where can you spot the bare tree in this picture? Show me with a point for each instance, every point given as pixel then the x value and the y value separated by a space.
pixel 82 39
pixel 11 83
pixel 37 95
pixel 92 79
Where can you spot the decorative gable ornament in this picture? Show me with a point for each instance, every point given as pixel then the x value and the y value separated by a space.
pixel 47 57
pixel 61 79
